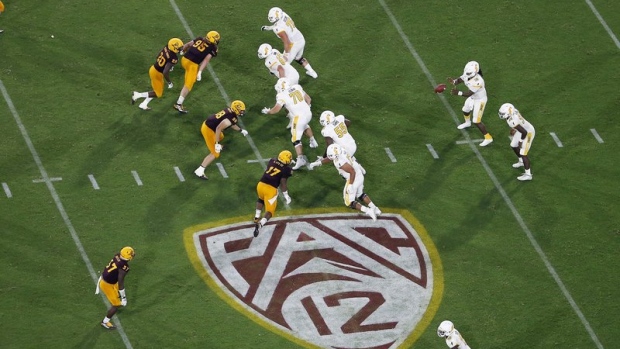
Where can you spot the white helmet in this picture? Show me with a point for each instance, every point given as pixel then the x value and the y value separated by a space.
pixel 445 328
pixel 275 14
pixel 506 110
pixel 327 117
pixel 264 50
pixel 471 69
pixel 333 151
pixel 281 85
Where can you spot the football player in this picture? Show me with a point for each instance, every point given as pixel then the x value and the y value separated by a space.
pixel 276 175
pixel 476 98
pixel 353 173
pixel 213 132
pixel 335 130
pixel 297 103
pixel 454 340
pixel 277 65
pixel 197 54
pixel 522 137
pixel 293 40
pixel 1 10
pixel 112 283
pixel 166 59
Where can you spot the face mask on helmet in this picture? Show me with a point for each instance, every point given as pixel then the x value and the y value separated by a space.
pixel 281 85
pixel 333 151
pixel 327 117
pixel 175 45
pixel 264 50
pixel 471 69
pixel 274 14
pixel 506 111
pixel 127 253
pixel 285 157
pixel 238 107
pixel 213 37
pixel 445 328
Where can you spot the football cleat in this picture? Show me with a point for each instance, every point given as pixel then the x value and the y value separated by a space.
pixel 134 97
pixel 525 177
pixel 313 143
pixel 466 124
pixel 486 142
pixel 312 73
pixel 377 211
pixel 517 164
pixel 257 227
pixel 180 108
pixel 145 108
pixel 301 161
pixel 370 212
pixel 108 325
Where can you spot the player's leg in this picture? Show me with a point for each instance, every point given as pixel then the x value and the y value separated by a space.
pixel 297 51
pixel 477 119
pixel 525 148
pixel 468 106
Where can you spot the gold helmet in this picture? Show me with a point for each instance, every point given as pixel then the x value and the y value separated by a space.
pixel 175 45
pixel 238 107
pixel 127 253
pixel 285 157
pixel 213 37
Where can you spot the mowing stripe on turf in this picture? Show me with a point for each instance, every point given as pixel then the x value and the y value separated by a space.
pixel 7 191
pixel 596 135
pixel 496 183
pixel 179 174
pixel 93 181
pixel 432 150
pixel 60 206
pixel 556 139
pixel 600 19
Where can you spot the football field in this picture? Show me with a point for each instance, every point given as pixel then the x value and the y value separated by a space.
pixel 513 264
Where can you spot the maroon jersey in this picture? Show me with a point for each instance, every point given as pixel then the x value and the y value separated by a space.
pixel 200 50
pixel 110 272
pixel 164 57
pixel 215 119
pixel 275 171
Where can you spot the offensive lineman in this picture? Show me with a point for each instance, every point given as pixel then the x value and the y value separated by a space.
pixel 335 131
pixel 277 65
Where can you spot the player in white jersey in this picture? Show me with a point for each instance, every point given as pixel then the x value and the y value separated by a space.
pixel 297 102
pixel 454 340
pixel 353 173
pixel 335 130
pixel 293 40
pixel 277 65
pixel 476 98
pixel 522 137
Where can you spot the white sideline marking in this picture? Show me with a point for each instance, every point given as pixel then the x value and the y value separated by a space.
pixel 497 184
pixel 469 141
pixel 93 181
pixel 53 179
pixel 179 174
pixel 596 135
pixel 600 19
pixel 7 191
pixel 61 208
pixel 556 139
pixel 222 170
pixel 390 155
pixel 136 177
pixel 432 150
pixel 253 161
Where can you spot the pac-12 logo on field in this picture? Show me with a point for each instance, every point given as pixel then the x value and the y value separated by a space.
pixel 326 280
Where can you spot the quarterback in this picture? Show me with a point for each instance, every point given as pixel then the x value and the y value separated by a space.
pixel 523 134
pixel 476 98
pixel 112 283
pixel 293 40
pixel 297 102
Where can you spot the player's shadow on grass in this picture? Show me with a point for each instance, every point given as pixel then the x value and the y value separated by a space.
pixel 90 338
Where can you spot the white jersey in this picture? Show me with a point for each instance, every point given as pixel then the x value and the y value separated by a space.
pixel 516 119
pixel 338 132
pixel 286 24
pixel 344 158
pixel 455 339
pixel 275 60
pixel 293 100
pixel 476 85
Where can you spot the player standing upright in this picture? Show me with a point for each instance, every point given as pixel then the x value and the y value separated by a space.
pixel 112 283
pixel 522 137
pixel 476 98
pixel 454 340
pixel 293 40
pixel 276 175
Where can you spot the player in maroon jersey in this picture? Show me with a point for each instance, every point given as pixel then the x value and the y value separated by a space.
pixel 112 283
pixel 276 175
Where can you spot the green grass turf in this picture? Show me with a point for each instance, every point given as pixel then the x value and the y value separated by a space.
pixel 553 60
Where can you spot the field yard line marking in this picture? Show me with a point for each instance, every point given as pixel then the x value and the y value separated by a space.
pixel 217 82
pixel 600 19
pixel 222 170
pixel 7 191
pixel 556 139
pixel 469 141
pixel 390 155
pixel 136 177
pixel 498 185
pixel 60 206
pixel 93 181
pixel 432 150
pixel 53 179
pixel 251 161
pixel 179 174
pixel 596 135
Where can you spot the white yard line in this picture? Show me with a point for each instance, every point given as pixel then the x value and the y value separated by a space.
pixel 60 207
pixel 52 179
pixel 93 181
pixel 136 177
pixel 222 170
pixel 179 174
pixel 596 135
pixel 497 184
pixel 7 191
pixel 600 19
pixel 469 141
pixel 556 139
pixel 390 155
pixel 432 150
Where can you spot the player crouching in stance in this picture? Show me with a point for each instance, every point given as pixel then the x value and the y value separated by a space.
pixel 165 61
pixel 453 337
pixel 476 98
pixel 522 137
pixel 112 283
pixel 276 175
pixel 353 173
pixel 213 132
pixel 335 131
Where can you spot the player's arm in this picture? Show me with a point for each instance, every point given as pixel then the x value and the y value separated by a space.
pixel 455 81
pixel 347 122
pixel 522 130
pixel 220 128
pixel 281 73
pixel 273 110
pixel 121 278
pixel 166 72
pixel 286 41
pixel 351 171
pixel 204 63
pixel 307 98
pixel 283 184
pixel 186 47
pixel 456 92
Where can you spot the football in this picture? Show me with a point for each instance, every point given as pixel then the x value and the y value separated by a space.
pixel 440 88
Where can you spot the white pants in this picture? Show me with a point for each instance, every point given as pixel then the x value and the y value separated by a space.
pixel 476 106
pixel 525 144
